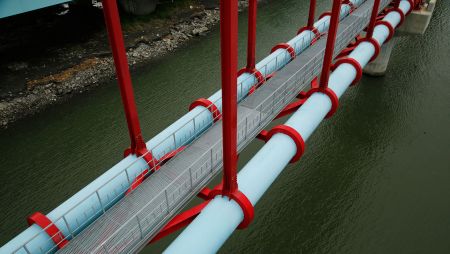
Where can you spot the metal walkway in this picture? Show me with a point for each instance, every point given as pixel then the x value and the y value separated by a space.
pixel 128 226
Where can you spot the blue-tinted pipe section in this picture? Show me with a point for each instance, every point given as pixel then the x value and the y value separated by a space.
pixel 208 232
pixel 84 207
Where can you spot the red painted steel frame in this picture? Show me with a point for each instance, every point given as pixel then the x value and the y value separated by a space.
pixel 331 39
pixel 373 18
pixel 123 75
pixel 228 47
pixel 251 41
pixel 312 10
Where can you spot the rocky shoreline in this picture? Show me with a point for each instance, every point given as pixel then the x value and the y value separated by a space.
pixel 96 70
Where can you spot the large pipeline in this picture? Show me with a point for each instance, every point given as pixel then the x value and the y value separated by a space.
pixel 218 220
pixel 75 214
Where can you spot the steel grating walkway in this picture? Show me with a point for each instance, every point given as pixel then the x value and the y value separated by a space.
pixel 128 225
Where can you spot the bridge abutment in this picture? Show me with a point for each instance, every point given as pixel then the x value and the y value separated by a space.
pixel 379 66
pixel 415 24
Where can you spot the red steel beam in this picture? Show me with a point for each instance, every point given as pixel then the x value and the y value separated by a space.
pixel 331 39
pixel 251 41
pixel 229 53
pixel 180 221
pixel 114 28
pixel 373 18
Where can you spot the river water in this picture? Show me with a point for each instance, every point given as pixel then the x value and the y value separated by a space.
pixel 375 177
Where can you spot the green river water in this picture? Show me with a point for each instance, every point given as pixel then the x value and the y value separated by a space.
pixel 375 177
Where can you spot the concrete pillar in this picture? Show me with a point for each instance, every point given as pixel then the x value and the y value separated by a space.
pixel 415 23
pixel 379 65
pixel 418 21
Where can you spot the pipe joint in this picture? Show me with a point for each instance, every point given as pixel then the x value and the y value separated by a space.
pixel 389 26
pixel 349 3
pixel 258 75
pixel 286 47
pixel 294 135
pixel 354 63
pixel 375 44
pixel 209 105
pixel 49 227
pixel 333 97
pixel 400 12
pixel 242 201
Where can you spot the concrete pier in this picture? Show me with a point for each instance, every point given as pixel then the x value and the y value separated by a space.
pixel 379 66
pixel 415 23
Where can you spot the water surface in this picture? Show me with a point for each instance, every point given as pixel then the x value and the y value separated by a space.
pixel 375 177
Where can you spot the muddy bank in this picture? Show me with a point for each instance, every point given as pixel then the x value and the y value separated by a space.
pixel 58 73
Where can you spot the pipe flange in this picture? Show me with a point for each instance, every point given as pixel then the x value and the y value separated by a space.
pixel 400 12
pixel 294 135
pixel 312 29
pixel 254 72
pixel 287 47
pixel 49 227
pixel 333 97
pixel 146 155
pixel 389 26
pixel 412 5
pixel 209 105
pixel 242 201
pixel 349 3
pixel 355 65
pixel 375 44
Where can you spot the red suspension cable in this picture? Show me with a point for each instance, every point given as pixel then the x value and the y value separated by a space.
pixel 228 46
pixel 331 39
pixel 311 15
pixel 251 42
pixel 123 76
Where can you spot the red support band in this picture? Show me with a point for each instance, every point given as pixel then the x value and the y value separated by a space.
pixel 411 3
pixel 312 29
pixel 263 135
pixel 400 12
pixel 146 155
pixel 355 65
pixel 258 75
pixel 242 201
pixel 293 134
pixel 352 6
pixel 51 229
pixel 333 97
pixel 316 32
pixel 287 47
pixel 389 26
pixel 209 105
pixel 375 44
pixel 327 13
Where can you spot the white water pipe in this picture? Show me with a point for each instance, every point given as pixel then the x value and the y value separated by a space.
pixel 218 220
pixel 85 206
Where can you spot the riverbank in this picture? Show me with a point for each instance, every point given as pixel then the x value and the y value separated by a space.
pixel 61 72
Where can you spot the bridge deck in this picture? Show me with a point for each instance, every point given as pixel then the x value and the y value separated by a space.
pixel 129 224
